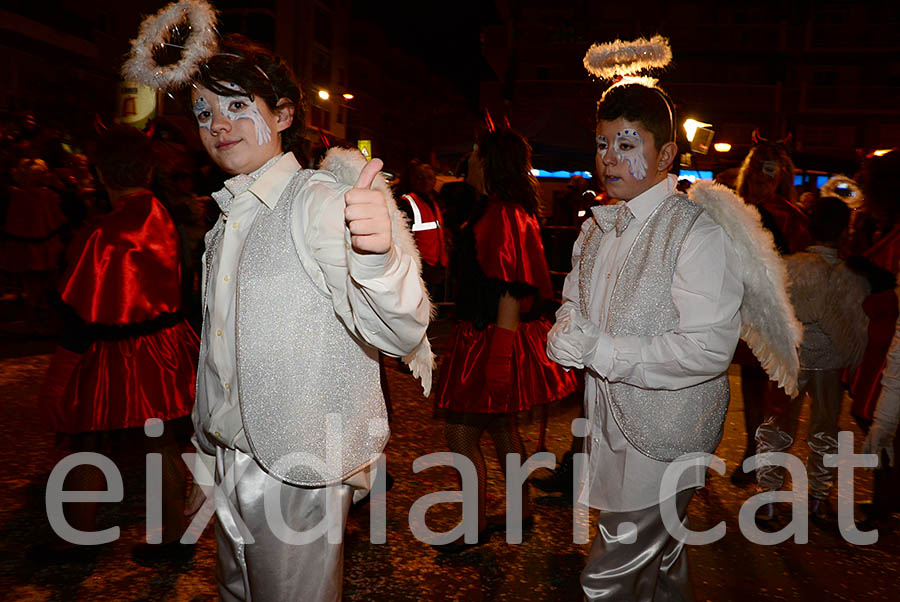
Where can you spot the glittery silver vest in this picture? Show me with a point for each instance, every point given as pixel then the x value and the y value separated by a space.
pixel 661 424
pixel 310 394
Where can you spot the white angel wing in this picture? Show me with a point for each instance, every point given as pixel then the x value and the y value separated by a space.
pixel 768 323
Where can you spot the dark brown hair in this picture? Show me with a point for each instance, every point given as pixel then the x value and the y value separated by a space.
pixel 124 157
pixel 506 159
pixel 259 74
pixel 636 102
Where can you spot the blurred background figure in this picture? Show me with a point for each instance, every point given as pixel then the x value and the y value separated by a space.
pixel 419 201
pixel 126 354
pixel 766 181
pixel 496 365
pixel 879 237
pixel 827 297
pixel 32 241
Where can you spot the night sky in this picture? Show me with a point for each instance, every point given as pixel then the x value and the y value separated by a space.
pixel 445 35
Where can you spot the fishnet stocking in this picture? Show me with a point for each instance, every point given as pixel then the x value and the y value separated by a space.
pixel 463 433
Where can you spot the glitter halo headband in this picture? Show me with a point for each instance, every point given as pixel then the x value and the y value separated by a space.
pixel 619 60
pixel 158 31
pixel 623 62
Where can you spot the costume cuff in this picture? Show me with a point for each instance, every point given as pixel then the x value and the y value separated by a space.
pixel 373 265
pixel 204 466
pixel 599 354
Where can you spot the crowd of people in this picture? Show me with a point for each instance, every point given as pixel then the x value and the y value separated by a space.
pixel 333 268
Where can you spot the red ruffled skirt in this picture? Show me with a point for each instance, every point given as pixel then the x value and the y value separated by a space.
pixel 536 379
pixel 120 384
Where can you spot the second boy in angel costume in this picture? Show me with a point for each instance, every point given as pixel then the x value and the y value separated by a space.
pixel 653 309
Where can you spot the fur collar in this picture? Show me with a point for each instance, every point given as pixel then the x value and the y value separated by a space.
pixel 346 165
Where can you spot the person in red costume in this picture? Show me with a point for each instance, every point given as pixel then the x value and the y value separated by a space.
pixel 766 181
pixel 496 365
pixel 880 180
pixel 127 354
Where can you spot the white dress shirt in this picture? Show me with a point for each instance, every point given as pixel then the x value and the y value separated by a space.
pixel 378 297
pixel 707 290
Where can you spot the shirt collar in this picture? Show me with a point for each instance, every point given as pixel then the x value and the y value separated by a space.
pixel 270 184
pixel 265 183
pixel 643 204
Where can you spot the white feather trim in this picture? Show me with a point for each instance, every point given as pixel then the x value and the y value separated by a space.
pixel 346 164
pixel 620 58
pixel 768 323
pixel 199 46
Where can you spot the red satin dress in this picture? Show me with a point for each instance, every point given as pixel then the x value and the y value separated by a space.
pixel 123 281
pixel 32 227
pixel 508 248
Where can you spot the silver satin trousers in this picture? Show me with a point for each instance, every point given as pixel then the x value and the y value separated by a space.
pixel 653 567
pixel 270 569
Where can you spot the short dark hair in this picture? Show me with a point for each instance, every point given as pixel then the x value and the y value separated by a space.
pixel 258 73
pixel 124 157
pixel 829 219
pixel 636 102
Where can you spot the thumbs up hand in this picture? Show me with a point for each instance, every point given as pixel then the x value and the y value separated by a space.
pixel 366 213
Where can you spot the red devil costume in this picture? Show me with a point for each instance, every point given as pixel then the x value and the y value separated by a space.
pixel 502 252
pixel 130 356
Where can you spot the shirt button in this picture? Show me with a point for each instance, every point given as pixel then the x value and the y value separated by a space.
pixel 347 245
pixel 227 277
pixel 219 332
pixel 235 225
pixel 218 434
pixel 228 386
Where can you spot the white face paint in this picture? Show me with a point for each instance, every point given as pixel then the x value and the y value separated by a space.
pixel 203 113
pixel 241 107
pixel 602 146
pixel 234 108
pixel 629 147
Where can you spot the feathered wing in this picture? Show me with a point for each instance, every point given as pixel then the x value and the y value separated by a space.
pixel 346 164
pixel 768 323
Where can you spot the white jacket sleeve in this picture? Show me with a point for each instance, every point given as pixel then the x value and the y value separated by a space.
pixel 379 298
pixel 707 290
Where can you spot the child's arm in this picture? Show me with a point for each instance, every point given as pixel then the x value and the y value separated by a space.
pixel 564 346
pixel 378 296
pixel 707 291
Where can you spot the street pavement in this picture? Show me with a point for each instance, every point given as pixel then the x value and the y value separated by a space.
pixel 545 566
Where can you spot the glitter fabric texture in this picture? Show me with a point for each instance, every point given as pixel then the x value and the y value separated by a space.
pixel 311 401
pixel 661 424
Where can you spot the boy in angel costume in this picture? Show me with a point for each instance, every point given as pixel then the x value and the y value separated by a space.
pixel 661 288
pixel 307 274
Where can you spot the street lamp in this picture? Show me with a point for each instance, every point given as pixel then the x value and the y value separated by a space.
pixel 324 95
pixel 347 96
pixel 690 128
pixel 722 147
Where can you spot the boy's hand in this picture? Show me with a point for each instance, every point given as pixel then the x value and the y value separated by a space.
pixel 367 214
pixel 564 345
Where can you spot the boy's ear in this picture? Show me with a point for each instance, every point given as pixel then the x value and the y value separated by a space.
pixel 284 114
pixel 667 155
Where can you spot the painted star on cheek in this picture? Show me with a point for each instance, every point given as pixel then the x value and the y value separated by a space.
pixel 629 147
